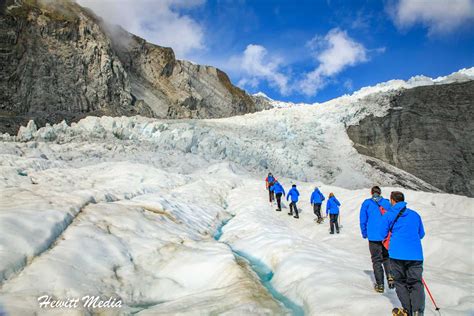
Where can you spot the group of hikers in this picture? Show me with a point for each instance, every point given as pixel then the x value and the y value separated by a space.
pixel 275 189
pixel 394 233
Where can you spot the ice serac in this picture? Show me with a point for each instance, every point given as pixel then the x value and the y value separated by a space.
pixel 427 132
pixel 60 61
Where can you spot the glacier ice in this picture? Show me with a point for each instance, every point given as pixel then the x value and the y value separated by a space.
pixel 128 207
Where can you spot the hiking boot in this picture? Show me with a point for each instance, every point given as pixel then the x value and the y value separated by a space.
pixel 337 231
pixel 332 233
pixel 379 288
pixel 296 216
pixel 391 282
pixel 290 213
pixel 399 311
pixel 278 210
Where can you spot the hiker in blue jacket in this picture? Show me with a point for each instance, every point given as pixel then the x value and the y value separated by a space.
pixel 332 207
pixel 406 253
pixel 277 188
pixel 316 200
pixel 294 194
pixel 370 218
pixel 269 180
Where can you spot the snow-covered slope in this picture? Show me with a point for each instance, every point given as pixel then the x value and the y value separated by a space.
pixel 276 103
pixel 138 233
pixel 122 230
pixel 462 75
pixel 129 208
pixel 306 142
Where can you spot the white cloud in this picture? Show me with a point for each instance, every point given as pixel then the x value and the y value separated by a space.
pixel 335 52
pixel 160 22
pixel 255 65
pixel 348 84
pixel 440 16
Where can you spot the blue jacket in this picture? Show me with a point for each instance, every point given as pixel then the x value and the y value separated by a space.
pixel 294 195
pixel 332 206
pixel 270 179
pixel 405 243
pixel 277 188
pixel 370 218
pixel 316 197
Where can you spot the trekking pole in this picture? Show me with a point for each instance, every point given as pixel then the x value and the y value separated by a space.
pixel 431 296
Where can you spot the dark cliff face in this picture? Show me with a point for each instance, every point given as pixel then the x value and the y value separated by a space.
pixel 58 61
pixel 428 132
pixel 176 88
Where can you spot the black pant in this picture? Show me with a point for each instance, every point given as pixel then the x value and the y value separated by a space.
pixel 271 195
pixel 379 256
pixel 293 206
pixel 333 221
pixel 408 284
pixel 317 210
pixel 278 198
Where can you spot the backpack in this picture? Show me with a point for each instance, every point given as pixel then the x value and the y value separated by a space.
pixel 386 241
pixel 270 183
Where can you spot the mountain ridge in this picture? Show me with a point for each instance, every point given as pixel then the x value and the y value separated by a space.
pixel 61 62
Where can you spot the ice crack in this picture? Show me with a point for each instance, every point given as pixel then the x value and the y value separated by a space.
pixel 264 273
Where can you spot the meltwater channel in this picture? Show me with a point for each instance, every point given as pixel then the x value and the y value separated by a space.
pixel 264 273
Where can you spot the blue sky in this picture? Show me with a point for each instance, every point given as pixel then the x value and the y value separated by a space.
pixel 306 51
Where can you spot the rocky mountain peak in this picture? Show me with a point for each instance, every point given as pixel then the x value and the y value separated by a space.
pixel 60 61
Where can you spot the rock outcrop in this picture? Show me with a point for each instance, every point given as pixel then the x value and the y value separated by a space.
pixel 177 88
pixel 60 61
pixel 262 101
pixel 428 132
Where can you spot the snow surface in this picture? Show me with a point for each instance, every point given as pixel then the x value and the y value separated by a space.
pixel 132 207
pixel 306 143
pixel 463 75
pixel 136 232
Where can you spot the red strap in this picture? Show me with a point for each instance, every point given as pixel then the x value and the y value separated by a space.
pixel 386 241
pixel 381 209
